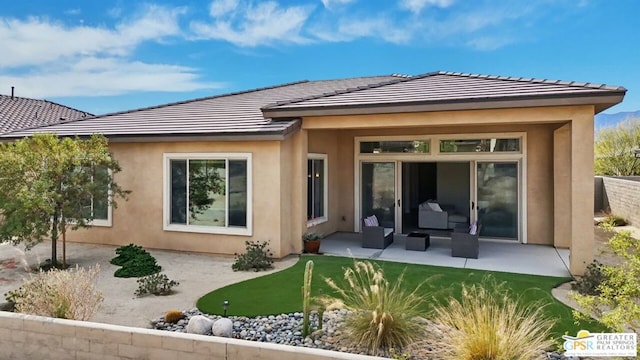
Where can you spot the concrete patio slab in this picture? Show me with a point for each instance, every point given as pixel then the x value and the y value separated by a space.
pixel 505 256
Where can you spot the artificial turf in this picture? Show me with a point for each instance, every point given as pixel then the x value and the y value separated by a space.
pixel 281 292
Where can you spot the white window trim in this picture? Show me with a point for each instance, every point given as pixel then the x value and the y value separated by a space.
pixel 102 222
pixel 325 218
pixel 166 207
pixel 108 222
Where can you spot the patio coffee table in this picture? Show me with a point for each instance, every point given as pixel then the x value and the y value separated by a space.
pixel 417 241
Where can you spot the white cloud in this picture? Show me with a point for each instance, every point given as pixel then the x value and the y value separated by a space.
pixel 73 12
pixel 37 41
pixel 330 3
pixel 106 76
pixel 44 58
pixel 222 7
pixel 348 29
pixel 253 24
pixel 416 6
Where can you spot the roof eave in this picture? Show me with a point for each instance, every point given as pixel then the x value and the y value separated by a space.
pixel 277 135
pixel 601 103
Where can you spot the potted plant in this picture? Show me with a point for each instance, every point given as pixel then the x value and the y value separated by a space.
pixel 311 242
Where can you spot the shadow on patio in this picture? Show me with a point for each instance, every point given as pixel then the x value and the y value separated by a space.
pixel 494 255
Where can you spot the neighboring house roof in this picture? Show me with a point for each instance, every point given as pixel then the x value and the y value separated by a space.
pixel 227 115
pixel 18 113
pixel 274 112
pixel 439 91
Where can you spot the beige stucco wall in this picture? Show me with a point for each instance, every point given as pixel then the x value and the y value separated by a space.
pixel 542 194
pixel 279 179
pixel 140 219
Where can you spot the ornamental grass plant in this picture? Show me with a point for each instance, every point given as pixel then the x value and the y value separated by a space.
pixel 383 315
pixel 66 294
pixel 489 323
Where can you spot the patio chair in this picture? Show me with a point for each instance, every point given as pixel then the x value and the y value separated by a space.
pixel 432 215
pixel 374 234
pixel 464 241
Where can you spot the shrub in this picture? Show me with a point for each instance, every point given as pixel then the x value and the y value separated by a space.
pixel 173 316
pixel 126 253
pixel 156 284
pixel 138 267
pixel 613 220
pixel 588 284
pixel 489 324
pixel 383 316
pixel 256 257
pixel 617 305
pixel 135 262
pixel 62 294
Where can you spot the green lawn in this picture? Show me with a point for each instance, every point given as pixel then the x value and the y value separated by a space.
pixel 281 292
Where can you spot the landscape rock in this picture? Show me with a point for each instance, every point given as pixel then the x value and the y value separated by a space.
pixel 199 324
pixel 222 327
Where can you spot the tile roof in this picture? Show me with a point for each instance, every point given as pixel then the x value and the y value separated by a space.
pixel 18 113
pixel 227 114
pixel 276 111
pixel 445 87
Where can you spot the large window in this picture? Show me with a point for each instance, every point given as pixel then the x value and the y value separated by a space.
pixel 97 207
pixel 208 193
pixel 317 188
pixel 395 147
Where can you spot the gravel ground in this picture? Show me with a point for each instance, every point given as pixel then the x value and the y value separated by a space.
pixel 197 274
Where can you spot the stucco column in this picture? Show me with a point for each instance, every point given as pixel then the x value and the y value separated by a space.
pixel 300 141
pixel 562 186
pixel 582 192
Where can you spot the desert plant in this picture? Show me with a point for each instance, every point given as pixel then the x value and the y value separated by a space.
pixel 67 294
pixel 126 253
pixel 306 297
pixel 487 323
pixel 256 257
pixel 135 262
pixel 588 283
pixel 156 284
pixel 173 316
pixel 383 316
pixel 617 305
pixel 612 220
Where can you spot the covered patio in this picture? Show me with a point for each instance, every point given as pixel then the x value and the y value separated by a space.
pixel 494 255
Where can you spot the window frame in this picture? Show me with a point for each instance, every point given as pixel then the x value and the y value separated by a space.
pixel 166 194
pixel 108 222
pixel 325 182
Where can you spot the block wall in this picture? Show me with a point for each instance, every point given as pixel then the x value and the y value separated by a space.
pixel 35 337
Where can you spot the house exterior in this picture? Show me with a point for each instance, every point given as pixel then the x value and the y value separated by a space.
pixel 209 174
pixel 18 113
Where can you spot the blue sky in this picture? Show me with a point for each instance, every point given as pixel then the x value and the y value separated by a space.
pixel 112 55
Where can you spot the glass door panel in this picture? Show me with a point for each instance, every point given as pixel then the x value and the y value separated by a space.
pixel 497 199
pixel 379 191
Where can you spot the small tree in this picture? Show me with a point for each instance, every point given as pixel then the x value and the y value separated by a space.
pixel 49 184
pixel 614 149
pixel 617 300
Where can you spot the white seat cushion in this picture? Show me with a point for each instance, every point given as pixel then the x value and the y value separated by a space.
pixel 387 231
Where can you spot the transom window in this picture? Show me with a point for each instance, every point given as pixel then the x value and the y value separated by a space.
pixel 208 192
pixel 316 188
pixel 480 145
pixel 398 147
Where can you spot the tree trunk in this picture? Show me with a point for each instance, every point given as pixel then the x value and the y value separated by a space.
pixel 64 243
pixel 54 240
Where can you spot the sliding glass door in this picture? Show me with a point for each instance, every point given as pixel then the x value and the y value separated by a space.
pixel 497 199
pixel 378 191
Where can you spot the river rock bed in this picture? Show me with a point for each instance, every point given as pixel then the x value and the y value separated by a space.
pixel 285 329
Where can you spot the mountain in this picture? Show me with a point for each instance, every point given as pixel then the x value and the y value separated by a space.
pixel 605 120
